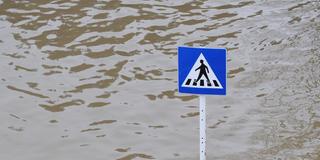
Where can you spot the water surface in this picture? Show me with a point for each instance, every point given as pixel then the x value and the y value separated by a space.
pixel 98 79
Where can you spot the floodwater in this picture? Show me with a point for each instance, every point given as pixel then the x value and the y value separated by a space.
pixel 95 79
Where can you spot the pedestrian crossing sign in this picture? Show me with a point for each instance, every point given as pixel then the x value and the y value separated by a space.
pixel 202 70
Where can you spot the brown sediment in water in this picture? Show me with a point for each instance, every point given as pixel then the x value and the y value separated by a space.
pixel 261 95
pixel 157 126
pixel 33 85
pixel 122 149
pixel 53 121
pixel 239 5
pixel 90 129
pixel 171 95
pixel 103 122
pixel 298 6
pixel 17 68
pixel 136 155
pixel 98 104
pixel 217 124
pixel 231 73
pixel 191 114
pixel 223 15
pixel 80 67
pixel 60 107
pixel 214 38
pixel 27 92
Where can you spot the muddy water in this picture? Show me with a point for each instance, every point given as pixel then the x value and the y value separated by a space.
pixel 98 79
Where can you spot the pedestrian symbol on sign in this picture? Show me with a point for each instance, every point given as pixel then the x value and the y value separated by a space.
pixel 203 71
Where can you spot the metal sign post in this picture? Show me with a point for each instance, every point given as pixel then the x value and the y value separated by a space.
pixel 202 110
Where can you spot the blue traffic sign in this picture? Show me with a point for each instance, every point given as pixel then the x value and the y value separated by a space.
pixel 202 70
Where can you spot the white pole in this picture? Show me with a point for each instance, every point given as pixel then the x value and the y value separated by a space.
pixel 202 110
